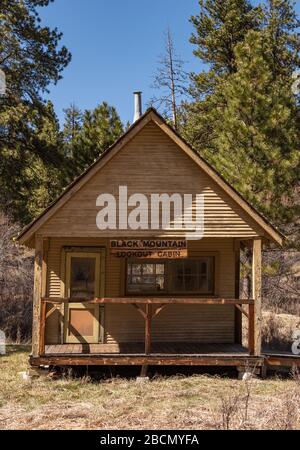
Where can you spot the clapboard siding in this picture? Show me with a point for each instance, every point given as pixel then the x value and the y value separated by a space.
pixel 198 323
pixel 176 322
pixel 151 163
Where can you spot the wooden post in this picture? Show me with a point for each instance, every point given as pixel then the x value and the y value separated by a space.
pixel 237 312
pixel 148 329
pixel 256 293
pixel 37 294
pixel 42 329
pixel 251 330
pixel 39 291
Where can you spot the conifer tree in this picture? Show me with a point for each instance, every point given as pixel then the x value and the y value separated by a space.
pixel 72 129
pixel 245 117
pixel 101 127
pixel 31 58
pixel 258 140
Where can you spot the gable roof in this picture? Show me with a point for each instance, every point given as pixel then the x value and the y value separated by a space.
pixel 150 115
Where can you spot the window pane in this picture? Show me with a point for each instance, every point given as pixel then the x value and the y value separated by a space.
pixel 178 278
pixel 148 279
pixel 191 283
pixel 145 277
pixel 192 275
pixel 203 285
pixel 160 283
pixel 203 267
pixel 160 268
pixel 136 280
pixel 190 267
pixel 148 268
pixel 82 277
pixel 136 269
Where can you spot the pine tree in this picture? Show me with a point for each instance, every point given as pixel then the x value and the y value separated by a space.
pixel 219 26
pixel 245 118
pixel 258 140
pixel 30 168
pixel 31 58
pixel 100 129
pixel 72 129
pixel 280 28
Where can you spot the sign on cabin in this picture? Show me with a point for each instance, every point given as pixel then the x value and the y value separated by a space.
pixel 148 248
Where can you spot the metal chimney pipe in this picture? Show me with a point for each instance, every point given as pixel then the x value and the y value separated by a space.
pixel 137 105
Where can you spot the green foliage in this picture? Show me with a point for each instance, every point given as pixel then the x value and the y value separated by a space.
pixel 92 135
pixel 29 139
pixel 245 118
pixel 219 26
pixel 29 53
pixel 258 139
pixel 72 129
pixel 30 161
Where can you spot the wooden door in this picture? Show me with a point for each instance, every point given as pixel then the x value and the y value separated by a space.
pixel 82 282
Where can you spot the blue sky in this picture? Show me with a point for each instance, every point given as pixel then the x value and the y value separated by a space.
pixel 115 46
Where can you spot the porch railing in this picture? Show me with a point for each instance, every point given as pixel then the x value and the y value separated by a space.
pixel 149 308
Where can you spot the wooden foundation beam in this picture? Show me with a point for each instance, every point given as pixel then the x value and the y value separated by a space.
pixel 146 360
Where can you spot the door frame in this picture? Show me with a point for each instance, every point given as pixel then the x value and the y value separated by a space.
pixel 66 255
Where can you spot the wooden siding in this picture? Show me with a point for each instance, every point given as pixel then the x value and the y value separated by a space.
pixel 176 323
pixel 122 323
pixel 150 163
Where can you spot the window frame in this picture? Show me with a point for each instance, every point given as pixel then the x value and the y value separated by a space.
pixel 195 292
pixel 168 277
pixel 146 261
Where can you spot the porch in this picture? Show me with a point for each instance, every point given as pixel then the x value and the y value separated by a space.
pixel 148 352
pixel 137 348
pixel 162 354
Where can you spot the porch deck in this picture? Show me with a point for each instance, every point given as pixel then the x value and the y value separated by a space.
pixel 133 354
pixel 137 348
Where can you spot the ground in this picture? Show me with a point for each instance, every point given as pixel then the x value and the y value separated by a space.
pixel 167 402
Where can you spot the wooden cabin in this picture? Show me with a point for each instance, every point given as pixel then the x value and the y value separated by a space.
pixel 146 296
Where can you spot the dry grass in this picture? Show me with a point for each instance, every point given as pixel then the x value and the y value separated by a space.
pixel 177 402
pixel 277 330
